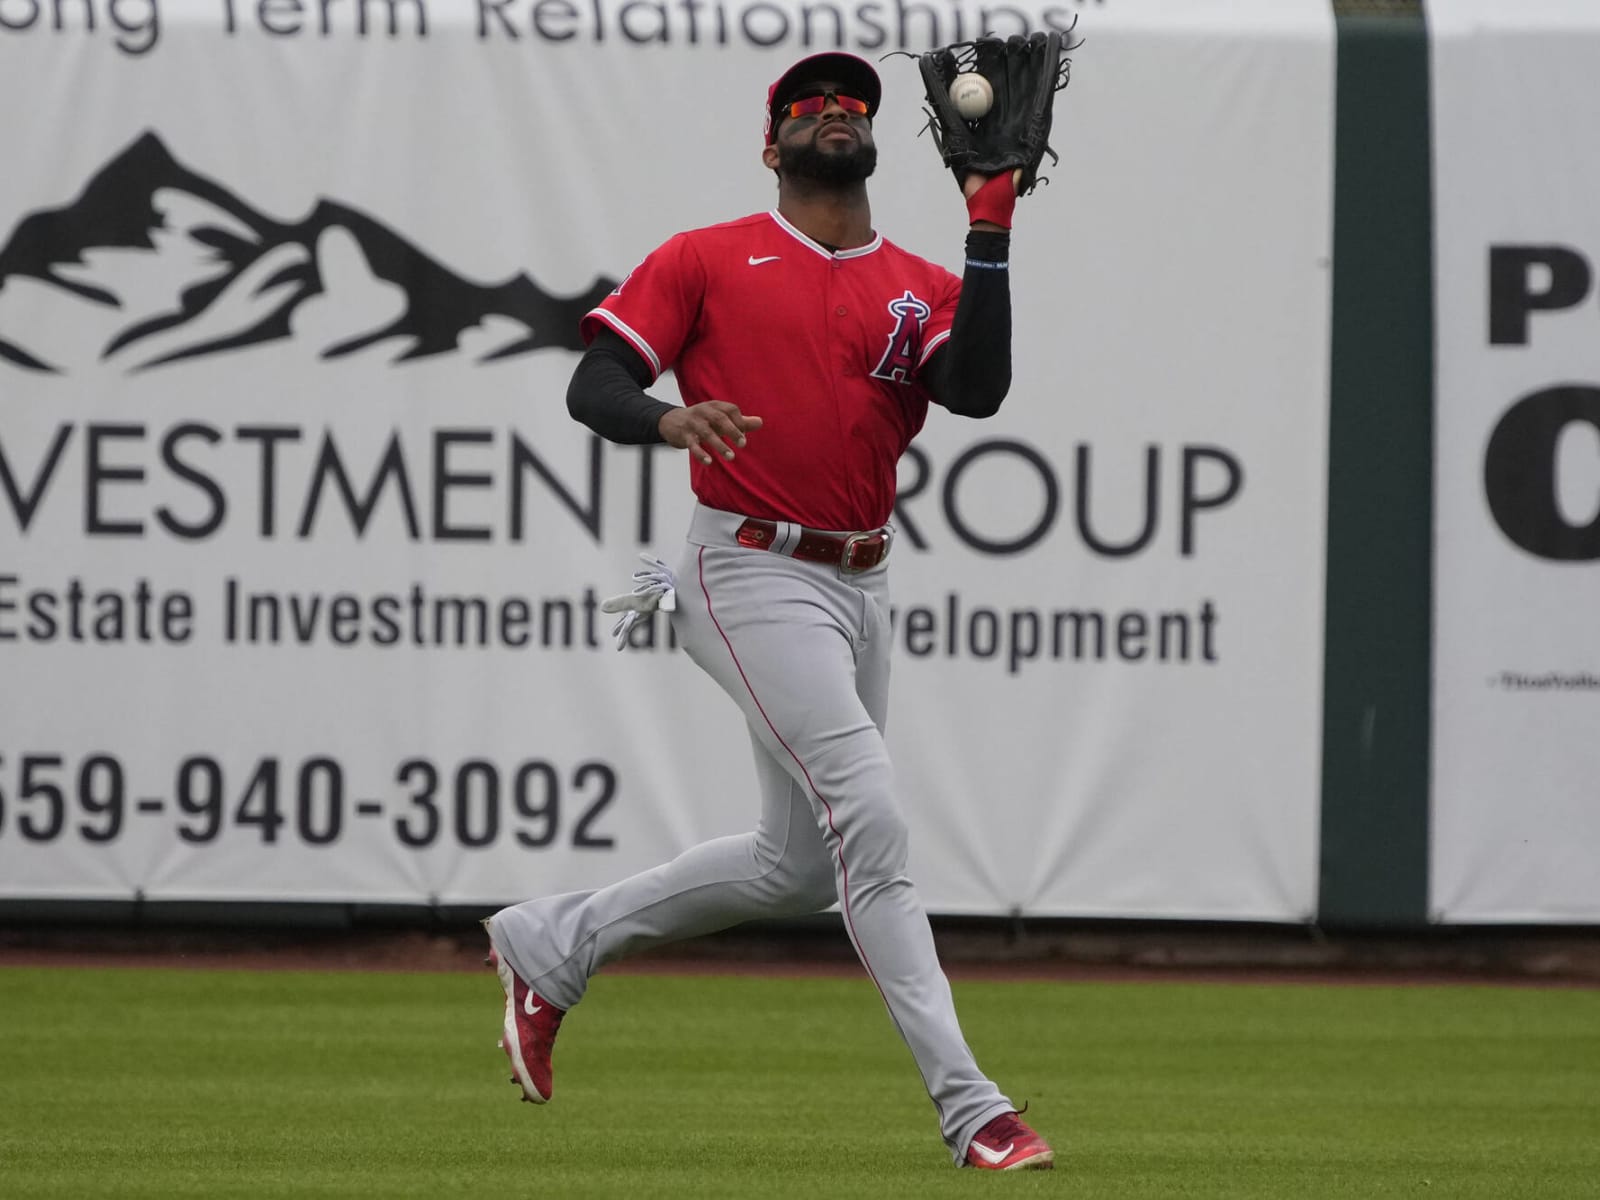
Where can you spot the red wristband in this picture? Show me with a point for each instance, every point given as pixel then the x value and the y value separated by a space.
pixel 994 201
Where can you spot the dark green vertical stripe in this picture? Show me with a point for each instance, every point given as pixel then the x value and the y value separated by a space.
pixel 1377 689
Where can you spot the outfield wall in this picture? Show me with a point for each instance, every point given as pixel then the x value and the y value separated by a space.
pixel 300 555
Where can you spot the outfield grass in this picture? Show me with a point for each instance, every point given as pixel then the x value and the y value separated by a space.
pixel 194 1083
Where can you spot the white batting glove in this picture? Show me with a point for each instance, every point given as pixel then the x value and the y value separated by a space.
pixel 655 587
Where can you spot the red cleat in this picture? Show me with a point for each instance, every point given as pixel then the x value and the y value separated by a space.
pixel 530 1033
pixel 1006 1144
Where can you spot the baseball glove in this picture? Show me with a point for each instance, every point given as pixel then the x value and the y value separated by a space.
pixel 1025 74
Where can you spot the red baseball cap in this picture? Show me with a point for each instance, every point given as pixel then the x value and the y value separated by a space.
pixel 854 74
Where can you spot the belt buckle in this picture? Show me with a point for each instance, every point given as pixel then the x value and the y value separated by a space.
pixel 847 555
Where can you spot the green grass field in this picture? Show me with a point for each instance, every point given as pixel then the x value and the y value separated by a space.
pixel 169 1083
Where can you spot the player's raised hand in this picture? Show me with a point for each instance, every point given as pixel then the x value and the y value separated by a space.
pixel 707 430
pixel 991 199
pixel 973 184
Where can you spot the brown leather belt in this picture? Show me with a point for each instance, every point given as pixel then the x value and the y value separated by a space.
pixel 851 552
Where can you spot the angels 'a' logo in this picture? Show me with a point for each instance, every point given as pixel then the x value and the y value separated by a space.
pixel 905 343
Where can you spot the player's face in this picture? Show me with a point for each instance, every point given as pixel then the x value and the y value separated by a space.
pixel 831 146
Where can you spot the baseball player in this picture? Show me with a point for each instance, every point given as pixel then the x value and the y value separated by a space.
pixel 807 348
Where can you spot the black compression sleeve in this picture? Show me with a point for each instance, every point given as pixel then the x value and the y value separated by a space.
pixel 971 373
pixel 607 392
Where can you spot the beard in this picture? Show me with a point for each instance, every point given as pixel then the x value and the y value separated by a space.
pixel 831 168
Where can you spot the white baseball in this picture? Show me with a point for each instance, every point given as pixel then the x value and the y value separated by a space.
pixel 972 95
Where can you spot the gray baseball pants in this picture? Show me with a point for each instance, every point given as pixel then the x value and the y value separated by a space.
pixel 803 649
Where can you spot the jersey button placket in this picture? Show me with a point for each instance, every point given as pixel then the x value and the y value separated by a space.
pixel 839 347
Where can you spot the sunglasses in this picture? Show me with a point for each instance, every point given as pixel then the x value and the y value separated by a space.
pixel 810 106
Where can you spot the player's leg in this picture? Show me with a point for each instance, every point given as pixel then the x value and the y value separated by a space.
pixel 913 940
pixel 787 641
pixel 556 943
pixel 546 950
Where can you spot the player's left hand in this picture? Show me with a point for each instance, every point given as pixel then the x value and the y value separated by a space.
pixel 971 184
pixel 991 199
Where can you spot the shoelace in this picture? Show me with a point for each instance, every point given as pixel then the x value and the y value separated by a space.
pixel 1005 1128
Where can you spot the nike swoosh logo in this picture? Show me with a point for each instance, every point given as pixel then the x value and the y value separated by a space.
pixel 528 1005
pixel 756 262
pixel 993 1157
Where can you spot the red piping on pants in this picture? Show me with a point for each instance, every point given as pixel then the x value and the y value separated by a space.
pixel 844 868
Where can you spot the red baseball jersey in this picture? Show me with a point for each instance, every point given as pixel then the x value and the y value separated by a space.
pixel 824 347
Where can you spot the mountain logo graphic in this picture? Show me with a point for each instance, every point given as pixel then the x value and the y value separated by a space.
pixel 153 264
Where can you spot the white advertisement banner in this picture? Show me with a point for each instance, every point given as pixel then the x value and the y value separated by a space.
pixel 1516 756
pixel 301 554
